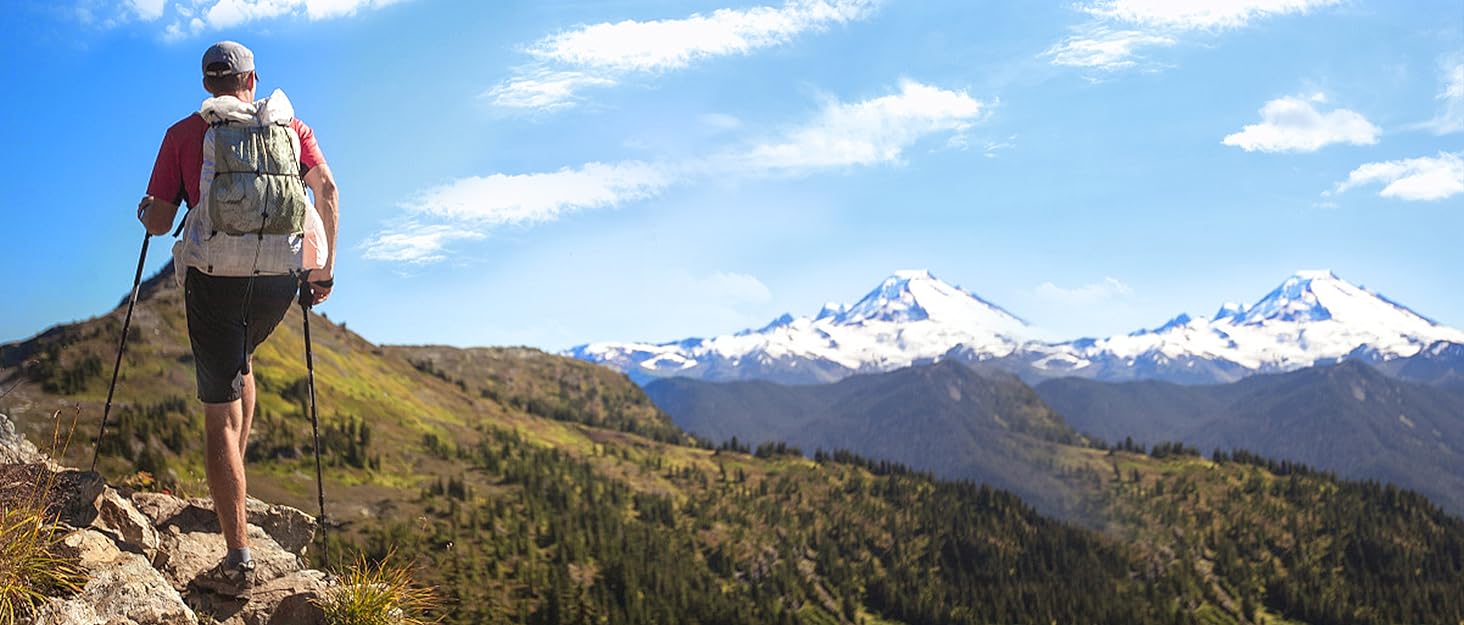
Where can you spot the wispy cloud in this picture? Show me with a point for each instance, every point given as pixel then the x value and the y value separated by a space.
pixel 1108 288
pixel 544 90
pixel 1198 14
pixel 414 242
pixel 514 199
pixel 604 54
pixel 181 19
pixel 1103 48
pixel 1293 124
pixel 844 134
pixel 1450 116
pixel 877 130
pixel 1120 28
pixel 148 10
pixel 1417 179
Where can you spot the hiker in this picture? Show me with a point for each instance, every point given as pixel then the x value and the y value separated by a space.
pixel 251 240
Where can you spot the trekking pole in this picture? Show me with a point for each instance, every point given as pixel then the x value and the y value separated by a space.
pixel 121 346
pixel 306 297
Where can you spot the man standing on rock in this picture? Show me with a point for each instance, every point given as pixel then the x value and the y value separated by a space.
pixel 250 240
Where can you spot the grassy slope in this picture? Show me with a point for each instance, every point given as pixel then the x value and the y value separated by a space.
pixel 424 427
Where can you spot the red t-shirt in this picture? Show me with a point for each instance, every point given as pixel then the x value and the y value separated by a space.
pixel 176 173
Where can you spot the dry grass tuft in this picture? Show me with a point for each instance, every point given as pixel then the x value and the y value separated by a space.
pixel 32 568
pixel 378 594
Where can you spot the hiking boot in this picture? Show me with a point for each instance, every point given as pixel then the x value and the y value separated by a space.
pixel 230 581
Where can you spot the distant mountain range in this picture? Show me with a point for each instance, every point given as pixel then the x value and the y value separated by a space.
pixel 988 426
pixel 944 418
pixel 1346 418
pixel 912 317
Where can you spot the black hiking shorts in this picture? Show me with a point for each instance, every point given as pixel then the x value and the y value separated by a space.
pixel 224 328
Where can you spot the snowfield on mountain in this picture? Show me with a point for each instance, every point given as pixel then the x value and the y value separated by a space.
pixel 912 317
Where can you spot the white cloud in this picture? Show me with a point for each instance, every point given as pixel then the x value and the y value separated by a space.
pixel 326 9
pixel 197 16
pixel 1293 124
pixel 1450 118
pixel 1108 288
pixel 511 199
pixel 1104 48
pixel 866 132
pixel 148 10
pixel 1198 14
pixel 660 45
pixel 872 131
pixel 1417 179
pixel 543 90
pixel 413 242
pixel 1121 27
pixel 469 207
pixel 603 54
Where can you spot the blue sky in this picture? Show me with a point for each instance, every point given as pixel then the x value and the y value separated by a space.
pixel 555 172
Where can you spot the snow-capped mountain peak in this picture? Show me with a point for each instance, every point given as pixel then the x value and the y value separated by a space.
pixel 1311 296
pixel 917 295
pixel 912 316
pixel 1313 316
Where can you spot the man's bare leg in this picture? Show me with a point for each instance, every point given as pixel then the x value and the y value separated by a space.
pixel 246 397
pixel 225 467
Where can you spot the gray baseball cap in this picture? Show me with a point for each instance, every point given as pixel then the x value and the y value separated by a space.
pixel 234 55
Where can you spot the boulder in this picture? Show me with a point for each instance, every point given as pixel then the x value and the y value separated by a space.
pixel 182 555
pixel 288 600
pixel 67 494
pixel 142 551
pixel 117 515
pixel 158 507
pixel 124 589
pixel 290 529
pixel 14 448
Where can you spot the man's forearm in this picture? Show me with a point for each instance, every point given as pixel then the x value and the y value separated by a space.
pixel 327 203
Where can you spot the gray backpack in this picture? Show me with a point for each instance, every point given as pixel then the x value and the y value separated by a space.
pixel 254 213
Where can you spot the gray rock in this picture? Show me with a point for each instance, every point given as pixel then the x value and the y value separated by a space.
pixel 184 555
pixel 158 507
pixel 119 516
pixel 124 589
pixel 177 540
pixel 290 529
pixel 288 600
pixel 14 448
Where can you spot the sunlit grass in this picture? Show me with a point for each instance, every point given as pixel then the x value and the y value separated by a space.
pixel 378 594
pixel 32 568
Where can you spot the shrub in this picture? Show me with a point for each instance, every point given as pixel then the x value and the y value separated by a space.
pixel 377 594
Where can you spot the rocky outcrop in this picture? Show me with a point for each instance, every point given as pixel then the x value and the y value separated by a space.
pixel 142 551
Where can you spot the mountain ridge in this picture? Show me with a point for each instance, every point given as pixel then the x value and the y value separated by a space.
pixel 1347 417
pixel 912 317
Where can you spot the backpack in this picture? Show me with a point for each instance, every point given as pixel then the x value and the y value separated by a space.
pixel 253 216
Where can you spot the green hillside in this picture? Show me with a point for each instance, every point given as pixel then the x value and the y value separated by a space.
pixel 944 418
pixel 531 490
pixel 1348 418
